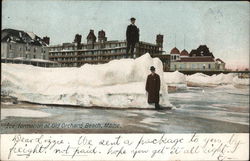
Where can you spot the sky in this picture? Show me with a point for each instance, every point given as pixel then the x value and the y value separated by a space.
pixel 222 26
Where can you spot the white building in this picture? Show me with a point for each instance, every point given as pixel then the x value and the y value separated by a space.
pixel 200 59
pixel 24 48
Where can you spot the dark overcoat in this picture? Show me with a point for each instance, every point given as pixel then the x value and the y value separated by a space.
pixel 153 85
pixel 132 34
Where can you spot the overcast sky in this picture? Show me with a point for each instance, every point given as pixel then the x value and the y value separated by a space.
pixel 222 26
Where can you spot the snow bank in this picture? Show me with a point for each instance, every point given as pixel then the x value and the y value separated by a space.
pixel 200 79
pixel 238 81
pixel 174 78
pixel 180 80
pixel 119 83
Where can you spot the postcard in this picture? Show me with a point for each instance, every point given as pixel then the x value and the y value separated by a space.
pixel 124 80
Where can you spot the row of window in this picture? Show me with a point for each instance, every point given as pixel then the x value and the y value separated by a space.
pixel 62 54
pixel 27 49
pixel 64 59
pixel 68 64
pixel 89 52
pixel 108 45
pixel 29 56
pixel 149 47
pixel 175 57
pixel 96 46
pixel 103 58
pixel 89 58
pixel 192 66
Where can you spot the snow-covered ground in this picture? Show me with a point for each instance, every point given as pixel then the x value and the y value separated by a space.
pixel 119 83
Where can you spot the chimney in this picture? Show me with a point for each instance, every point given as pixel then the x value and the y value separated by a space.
pixel 77 40
pixel 91 38
pixel 101 36
pixel 46 40
pixel 159 40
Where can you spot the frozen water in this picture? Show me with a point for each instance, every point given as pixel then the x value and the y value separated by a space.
pixel 224 103
pixel 22 113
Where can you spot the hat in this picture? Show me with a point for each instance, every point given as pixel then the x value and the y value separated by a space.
pixel 132 19
pixel 152 68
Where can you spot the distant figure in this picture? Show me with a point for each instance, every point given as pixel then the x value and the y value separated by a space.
pixel 132 36
pixel 153 85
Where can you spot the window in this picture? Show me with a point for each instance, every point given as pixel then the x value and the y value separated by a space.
pixel 34 50
pixel 209 66
pixel 182 66
pixel 20 49
pixel 34 56
pixel 10 46
pixel 193 66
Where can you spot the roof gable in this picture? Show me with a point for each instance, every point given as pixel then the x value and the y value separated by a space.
pixel 18 36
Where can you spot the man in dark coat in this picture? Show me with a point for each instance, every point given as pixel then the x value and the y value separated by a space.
pixel 132 37
pixel 153 85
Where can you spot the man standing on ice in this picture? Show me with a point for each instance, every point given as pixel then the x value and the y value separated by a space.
pixel 153 85
pixel 132 37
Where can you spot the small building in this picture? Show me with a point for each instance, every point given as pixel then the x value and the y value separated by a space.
pixel 97 51
pixel 200 59
pixel 221 65
pixel 24 47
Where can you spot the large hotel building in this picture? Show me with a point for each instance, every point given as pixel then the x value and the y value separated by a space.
pixel 102 51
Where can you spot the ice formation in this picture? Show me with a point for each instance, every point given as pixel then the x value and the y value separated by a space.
pixel 198 79
pixel 119 83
